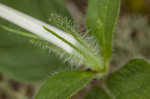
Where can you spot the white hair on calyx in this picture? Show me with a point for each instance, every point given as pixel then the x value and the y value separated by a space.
pixel 35 26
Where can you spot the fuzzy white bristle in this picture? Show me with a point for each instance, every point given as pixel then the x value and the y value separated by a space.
pixel 35 26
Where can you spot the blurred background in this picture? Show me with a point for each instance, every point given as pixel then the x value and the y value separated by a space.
pixel 23 66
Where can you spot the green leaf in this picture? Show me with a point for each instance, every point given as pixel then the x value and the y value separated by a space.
pixel 18 57
pixel 97 93
pixel 64 84
pixel 102 16
pixel 130 82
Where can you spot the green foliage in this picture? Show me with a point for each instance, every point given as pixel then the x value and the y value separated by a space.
pixel 104 23
pixel 21 59
pixel 84 54
pixel 130 82
pixel 22 33
pixel 101 23
pixel 64 84
pixel 97 93
pixel 24 61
